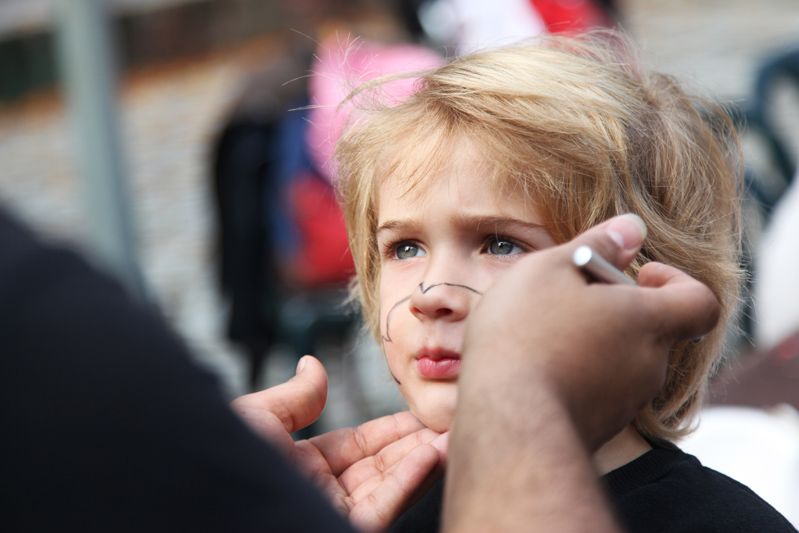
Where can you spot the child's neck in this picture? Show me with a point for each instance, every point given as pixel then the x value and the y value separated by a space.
pixel 627 445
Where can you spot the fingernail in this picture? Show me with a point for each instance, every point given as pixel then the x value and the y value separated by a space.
pixel 628 231
pixel 300 365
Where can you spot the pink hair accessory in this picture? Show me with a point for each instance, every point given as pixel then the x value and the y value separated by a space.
pixel 341 66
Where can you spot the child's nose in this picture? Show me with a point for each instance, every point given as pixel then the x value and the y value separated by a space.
pixel 445 301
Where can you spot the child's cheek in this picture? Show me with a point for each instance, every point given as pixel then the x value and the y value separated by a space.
pixel 392 359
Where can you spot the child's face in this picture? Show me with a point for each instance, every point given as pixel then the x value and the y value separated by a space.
pixel 441 248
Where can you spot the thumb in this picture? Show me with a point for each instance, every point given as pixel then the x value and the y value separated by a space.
pixel 296 403
pixel 682 306
pixel 618 239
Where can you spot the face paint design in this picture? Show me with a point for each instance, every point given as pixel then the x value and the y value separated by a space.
pixel 424 290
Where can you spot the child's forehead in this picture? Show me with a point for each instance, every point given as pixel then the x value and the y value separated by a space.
pixel 464 186
pixel 420 168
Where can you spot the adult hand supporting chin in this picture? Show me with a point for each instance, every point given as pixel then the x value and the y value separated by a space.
pixel 370 472
pixel 553 366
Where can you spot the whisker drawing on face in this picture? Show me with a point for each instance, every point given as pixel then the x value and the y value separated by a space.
pixel 387 336
pixel 423 290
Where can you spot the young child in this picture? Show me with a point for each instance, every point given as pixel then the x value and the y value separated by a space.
pixel 504 152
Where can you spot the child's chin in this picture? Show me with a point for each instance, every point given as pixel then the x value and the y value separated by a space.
pixel 438 419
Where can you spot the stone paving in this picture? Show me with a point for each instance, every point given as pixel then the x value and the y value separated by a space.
pixel 170 115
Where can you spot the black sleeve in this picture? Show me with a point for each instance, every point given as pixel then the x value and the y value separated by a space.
pixel 108 426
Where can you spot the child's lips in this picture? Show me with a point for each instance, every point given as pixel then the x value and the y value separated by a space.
pixel 438 363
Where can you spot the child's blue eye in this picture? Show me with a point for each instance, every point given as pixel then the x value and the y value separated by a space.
pixel 499 246
pixel 407 250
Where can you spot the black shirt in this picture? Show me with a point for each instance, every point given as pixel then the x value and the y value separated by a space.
pixel 106 423
pixel 664 490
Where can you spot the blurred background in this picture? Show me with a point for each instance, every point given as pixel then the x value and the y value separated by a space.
pixel 159 136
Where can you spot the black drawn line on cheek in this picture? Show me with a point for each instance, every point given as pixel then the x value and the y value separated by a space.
pixel 424 290
pixel 387 336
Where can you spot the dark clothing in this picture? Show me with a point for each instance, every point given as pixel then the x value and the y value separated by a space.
pixel 668 490
pixel 664 490
pixel 107 425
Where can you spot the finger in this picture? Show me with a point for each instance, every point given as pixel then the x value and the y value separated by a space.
pixel 380 507
pixel 329 486
pixel 309 459
pixel 617 239
pixel 344 447
pixel 683 307
pixel 441 443
pixel 377 465
pixel 296 403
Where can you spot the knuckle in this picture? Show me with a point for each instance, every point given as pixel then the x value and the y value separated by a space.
pixel 346 504
pixel 398 424
pixel 360 441
pixel 380 464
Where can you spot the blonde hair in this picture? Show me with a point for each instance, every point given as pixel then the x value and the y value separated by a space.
pixel 576 127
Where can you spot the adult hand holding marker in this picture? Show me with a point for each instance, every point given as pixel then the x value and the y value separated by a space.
pixel 548 343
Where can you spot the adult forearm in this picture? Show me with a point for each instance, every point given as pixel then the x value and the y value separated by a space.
pixel 537 478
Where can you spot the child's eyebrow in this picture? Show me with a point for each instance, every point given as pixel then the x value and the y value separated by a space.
pixel 479 221
pixel 466 221
pixel 393 225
